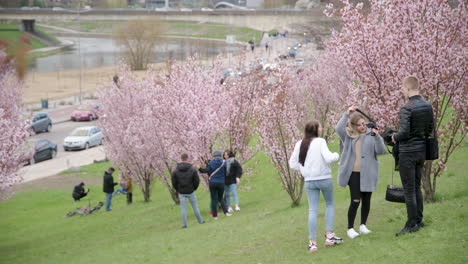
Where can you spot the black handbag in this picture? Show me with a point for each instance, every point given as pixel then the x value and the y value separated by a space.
pixel 395 193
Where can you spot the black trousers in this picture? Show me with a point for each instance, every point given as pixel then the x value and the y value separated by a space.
pixel 78 196
pixel 129 197
pixel 216 193
pixel 411 167
pixel 356 195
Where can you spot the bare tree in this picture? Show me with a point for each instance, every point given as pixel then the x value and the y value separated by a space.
pixel 139 38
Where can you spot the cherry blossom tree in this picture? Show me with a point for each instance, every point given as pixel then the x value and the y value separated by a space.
pixel 244 90
pixel 398 38
pixel 280 121
pixel 326 86
pixel 14 128
pixel 132 128
pixel 199 107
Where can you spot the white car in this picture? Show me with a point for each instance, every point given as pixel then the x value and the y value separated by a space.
pixel 83 138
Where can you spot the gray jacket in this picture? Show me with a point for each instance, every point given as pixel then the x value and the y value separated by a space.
pixel 370 148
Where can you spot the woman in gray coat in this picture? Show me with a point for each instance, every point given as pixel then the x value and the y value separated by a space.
pixel 359 167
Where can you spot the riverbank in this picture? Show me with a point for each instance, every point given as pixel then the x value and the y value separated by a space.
pixel 65 84
pixel 188 29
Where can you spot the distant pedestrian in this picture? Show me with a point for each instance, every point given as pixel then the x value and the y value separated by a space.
pixel 79 192
pixel 129 190
pixel 217 174
pixel 233 175
pixel 266 46
pixel 108 187
pixel 185 180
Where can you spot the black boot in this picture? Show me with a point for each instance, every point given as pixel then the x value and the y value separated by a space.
pixel 407 229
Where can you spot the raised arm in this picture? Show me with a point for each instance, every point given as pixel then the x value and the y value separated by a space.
pixel 341 126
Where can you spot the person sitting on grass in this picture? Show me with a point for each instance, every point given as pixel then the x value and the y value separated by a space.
pixel 79 192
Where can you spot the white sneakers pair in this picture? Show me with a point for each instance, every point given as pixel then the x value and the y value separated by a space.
pixel 362 229
pixel 230 209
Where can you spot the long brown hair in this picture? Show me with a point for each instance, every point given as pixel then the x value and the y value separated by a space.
pixel 311 131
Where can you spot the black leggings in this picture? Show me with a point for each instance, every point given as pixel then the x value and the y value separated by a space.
pixel 356 195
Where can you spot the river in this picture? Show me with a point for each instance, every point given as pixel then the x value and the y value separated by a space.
pixel 98 52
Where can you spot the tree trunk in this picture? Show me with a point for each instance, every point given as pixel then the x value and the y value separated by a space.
pixel 427 183
pixel 171 189
pixel 146 190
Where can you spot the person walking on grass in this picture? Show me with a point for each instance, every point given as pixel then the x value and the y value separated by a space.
pixel 185 180
pixel 359 167
pixel 108 187
pixel 312 157
pixel 416 124
pixel 216 170
pixel 233 175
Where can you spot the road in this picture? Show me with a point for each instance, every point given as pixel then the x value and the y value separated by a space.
pixel 60 132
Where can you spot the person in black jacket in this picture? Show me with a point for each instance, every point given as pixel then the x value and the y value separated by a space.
pixel 233 175
pixel 108 187
pixel 416 123
pixel 79 192
pixel 185 180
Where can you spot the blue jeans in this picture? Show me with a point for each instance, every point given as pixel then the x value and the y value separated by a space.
pixel 313 189
pixel 108 201
pixel 120 190
pixel 231 189
pixel 183 207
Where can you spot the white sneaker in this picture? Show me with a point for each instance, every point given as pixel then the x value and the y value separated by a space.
pixel 230 209
pixel 363 230
pixel 237 208
pixel 352 233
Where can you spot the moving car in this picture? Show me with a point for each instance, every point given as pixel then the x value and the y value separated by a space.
pixel 85 113
pixel 43 150
pixel 83 138
pixel 41 122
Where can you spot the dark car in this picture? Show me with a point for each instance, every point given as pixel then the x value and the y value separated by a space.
pixel 41 122
pixel 43 150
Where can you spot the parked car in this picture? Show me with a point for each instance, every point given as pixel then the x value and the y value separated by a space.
pixel 83 138
pixel 41 122
pixel 85 113
pixel 44 149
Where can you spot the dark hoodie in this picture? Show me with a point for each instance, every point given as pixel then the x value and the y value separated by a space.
pixel 185 178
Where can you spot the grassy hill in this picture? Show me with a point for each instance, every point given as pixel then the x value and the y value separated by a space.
pixel 266 230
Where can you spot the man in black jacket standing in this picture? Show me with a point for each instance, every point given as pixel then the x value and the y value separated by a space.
pixel 108 187
pixel 416 124
pixel 185 180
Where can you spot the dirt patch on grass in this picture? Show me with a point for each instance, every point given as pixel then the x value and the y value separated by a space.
pixel 63 181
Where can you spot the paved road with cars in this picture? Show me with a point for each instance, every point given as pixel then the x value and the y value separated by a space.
pixel 59 132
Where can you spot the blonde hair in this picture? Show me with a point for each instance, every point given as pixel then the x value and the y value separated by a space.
pixel 351 128
pixel 412 82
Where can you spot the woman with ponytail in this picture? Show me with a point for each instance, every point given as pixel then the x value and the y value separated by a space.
pixel 312 157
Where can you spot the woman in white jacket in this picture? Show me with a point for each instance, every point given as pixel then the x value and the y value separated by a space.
pixel 312 157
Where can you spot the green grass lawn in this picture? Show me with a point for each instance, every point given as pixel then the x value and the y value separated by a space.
pixel 266 230
pixel 11 34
